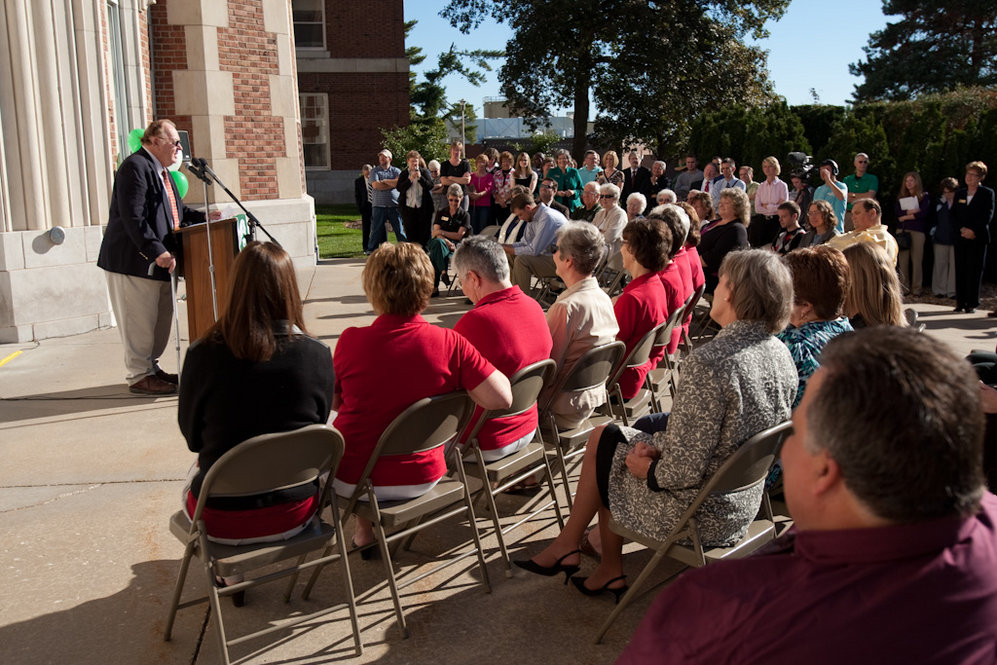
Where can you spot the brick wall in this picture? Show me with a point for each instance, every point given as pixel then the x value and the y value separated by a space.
pixel 169 49
pixel 371 29
pixel 253 135
pixel 359 106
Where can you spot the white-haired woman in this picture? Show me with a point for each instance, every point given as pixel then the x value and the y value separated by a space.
pixel 610 221
pixel 739 384
pixel 636 203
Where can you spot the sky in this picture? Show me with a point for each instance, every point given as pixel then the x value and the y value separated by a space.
pixel 809 47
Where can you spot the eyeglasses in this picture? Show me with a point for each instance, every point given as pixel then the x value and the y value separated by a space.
pixel 548 187
pixel 176 144
pixel 607 196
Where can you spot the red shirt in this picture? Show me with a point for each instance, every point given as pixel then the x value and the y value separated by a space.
pixel 698 278
pixel 380 371
pixel 510 330
pixel 681 259
pixel 642 305
pixel 671 280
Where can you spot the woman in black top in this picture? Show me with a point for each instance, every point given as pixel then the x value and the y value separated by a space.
pixel 449 228
pixel 725 235
pixel 256 371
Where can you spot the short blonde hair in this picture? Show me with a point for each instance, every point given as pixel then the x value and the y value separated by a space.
pixel 774 162
pixel 738 199
pixel 979 167
pixel 761 287
pixel 398 279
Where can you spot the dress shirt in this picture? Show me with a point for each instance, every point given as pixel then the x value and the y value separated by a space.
pixel 541 232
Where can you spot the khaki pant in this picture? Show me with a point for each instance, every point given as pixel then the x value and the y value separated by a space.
pixel 525 266
pixel 144 311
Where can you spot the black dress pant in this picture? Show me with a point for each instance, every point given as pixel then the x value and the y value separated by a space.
pixel 970 258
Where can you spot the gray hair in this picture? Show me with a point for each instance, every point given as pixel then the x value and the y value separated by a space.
pixel 591 185
pixel 584 243
pixel 433 165
pixel 387 152
pixel 761 287
pixel 455 190
pixel 667 194
pixel 484 256
pixel 610 188
pixel 637 196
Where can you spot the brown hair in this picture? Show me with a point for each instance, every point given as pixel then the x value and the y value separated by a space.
pixel 262 293
pixel 820 277
pixel 705 200
pixel 398 279
pixel 650 241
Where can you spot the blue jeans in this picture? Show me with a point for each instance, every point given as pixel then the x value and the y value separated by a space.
pixel 379 216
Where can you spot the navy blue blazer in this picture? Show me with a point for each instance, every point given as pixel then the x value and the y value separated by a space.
pixel 976 214
pixel 140 226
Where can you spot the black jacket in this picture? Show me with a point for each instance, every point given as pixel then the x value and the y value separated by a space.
pixel 140 226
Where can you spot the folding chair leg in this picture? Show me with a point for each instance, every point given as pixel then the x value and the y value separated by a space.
pixel 348 582
pixel 549 475
pixel 389 570
pixel 631 593
pixel 489 503
pixel 178 590
pixel 215 604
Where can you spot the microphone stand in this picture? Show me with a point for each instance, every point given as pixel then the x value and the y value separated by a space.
pixel 254 223
pixel 198 171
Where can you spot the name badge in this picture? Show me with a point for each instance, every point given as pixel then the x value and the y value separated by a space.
pixel 444 219
pixel 961 201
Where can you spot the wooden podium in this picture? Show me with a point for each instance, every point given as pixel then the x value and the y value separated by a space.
pixel 224 247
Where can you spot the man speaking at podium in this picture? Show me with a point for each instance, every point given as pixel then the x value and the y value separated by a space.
pixel 138 254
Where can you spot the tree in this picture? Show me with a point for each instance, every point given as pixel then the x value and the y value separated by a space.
pixel 934 47
pixel 651 66
pixel 426 131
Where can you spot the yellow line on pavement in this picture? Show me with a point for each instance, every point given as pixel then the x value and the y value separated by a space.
pixel 9 358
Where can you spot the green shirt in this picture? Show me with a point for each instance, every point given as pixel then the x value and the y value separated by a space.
pixel 861 185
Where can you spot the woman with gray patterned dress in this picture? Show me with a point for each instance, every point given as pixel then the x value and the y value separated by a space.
pixel 742 382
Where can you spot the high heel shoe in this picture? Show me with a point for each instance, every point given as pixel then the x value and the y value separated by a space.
pixel 368 551
pixel 549 571
pixel 617 592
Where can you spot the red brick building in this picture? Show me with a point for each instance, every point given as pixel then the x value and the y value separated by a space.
pixel 352 81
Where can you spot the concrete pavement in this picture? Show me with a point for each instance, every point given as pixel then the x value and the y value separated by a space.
pixel 91 474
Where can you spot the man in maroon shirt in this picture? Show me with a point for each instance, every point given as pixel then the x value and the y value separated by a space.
pixel 893 557
pixel 507 327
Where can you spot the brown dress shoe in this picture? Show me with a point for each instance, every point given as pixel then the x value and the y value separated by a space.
pixel 150 385
pixel 167 377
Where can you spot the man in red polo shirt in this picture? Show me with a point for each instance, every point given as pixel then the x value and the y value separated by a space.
pixel 507 327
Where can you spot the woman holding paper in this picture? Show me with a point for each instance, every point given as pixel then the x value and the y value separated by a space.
pixel 912 207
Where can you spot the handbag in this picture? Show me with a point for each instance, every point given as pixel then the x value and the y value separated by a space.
pixel 903 239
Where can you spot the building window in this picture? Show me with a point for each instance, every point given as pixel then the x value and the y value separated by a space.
pixel 309 23
pixel 315 129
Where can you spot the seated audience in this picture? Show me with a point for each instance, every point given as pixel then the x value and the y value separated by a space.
pixel 582 317
pixel 256 371
pixel 589 208
pixel 647 246
pixel 636 203
pixel 533 255
pixel 792 233
pixel 507 327
pixel 735 386
pixel 726 234
pixel 820 282
pixel 867 217
pixel 702 202
pixel 894 543
pixel 873 297
pixel 449 228
pixel 546 196
pixel 665 196
pixel 677 287
pixel 383 368
pixel 513 228
pixel 610 220
pixel 822 221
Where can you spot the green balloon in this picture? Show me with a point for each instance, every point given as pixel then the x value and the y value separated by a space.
pixel 181 182
pixel 135 139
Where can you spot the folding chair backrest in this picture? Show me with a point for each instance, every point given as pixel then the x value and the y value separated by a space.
pixel 490 231
pixel 664 332
pixel 594 367
pixel 274 461
pixel 641 352
pixel 751 462
pixel 426 424
pixel 690 304
pixel 526 386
